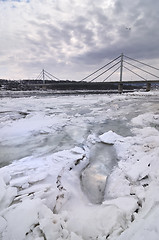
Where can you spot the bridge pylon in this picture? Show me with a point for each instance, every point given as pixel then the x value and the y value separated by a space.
pixel 120 84
pixel 44 75
pixel 134 69
pixel 121 67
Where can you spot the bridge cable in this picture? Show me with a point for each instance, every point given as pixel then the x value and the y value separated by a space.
pixel 142 63
pixel 135 73
pixel 40 75
pixel 104 71
pixel 48 76
pixel 142 69
pixel 51 75
pixel 99 69
pixel 111 73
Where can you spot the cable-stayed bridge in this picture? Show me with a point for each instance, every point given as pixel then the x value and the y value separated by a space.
pixel 46 75
pixel 118 73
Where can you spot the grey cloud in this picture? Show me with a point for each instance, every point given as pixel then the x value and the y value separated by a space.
pixel 101 34
pixel 80 31
pixel 140 41
pixel 136 48
pixel 57 35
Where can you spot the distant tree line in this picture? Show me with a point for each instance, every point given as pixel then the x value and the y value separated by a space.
pixel 25 85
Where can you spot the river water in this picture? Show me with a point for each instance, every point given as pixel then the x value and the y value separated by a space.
pixel 94 176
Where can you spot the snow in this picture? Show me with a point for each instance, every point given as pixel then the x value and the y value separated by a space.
pixel 59 139
pixel 110 137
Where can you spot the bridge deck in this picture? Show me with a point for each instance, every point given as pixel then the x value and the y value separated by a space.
pixel 62 82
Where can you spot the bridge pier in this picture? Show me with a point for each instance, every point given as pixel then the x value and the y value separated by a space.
pixel 44 87
pixel 148 87
pixel 120 87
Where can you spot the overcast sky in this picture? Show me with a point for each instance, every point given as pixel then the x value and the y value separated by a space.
pixel 71 38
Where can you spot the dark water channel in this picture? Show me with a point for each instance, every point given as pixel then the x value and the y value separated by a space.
pixel 94 176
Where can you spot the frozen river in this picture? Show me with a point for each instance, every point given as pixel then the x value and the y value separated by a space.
pixel 43 125
pixel 46 138
pixel 36 125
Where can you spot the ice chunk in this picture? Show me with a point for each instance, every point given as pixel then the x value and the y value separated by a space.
pixel 2 188
pixel 24 219
pixel 145 119
pixel 110 137
pixel 75 237
pixel 94 221
pixel 3 224
pixel 127 204
pixel 143 228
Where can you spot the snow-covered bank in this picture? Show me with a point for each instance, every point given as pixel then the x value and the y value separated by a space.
pixel 40 191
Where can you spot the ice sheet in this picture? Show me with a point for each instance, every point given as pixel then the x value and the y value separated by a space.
pixel 40 186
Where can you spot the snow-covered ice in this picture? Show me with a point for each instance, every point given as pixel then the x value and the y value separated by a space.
pixel 79 167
